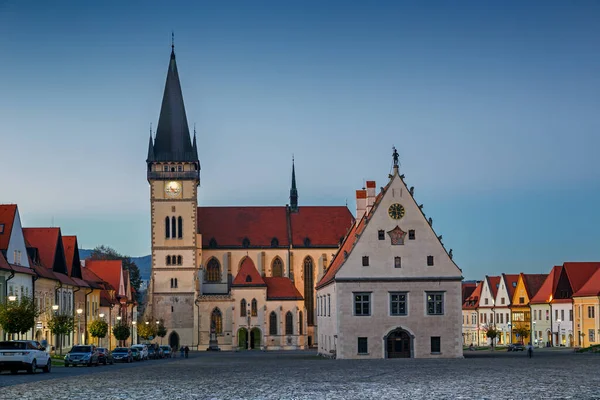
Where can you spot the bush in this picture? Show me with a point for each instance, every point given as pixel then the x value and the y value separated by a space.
pixel 98 328
pixel 121 331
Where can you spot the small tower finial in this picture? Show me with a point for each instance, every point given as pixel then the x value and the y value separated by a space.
pixel 395 156
pixel 172 40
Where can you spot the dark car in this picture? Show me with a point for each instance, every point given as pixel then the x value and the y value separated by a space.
pixel 104 356
pixel 82 355
pixel 515 347
pixel 122 354
pixel 152 354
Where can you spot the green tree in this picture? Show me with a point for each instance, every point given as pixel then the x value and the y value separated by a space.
pixel 146 329
pixel 98 329
pixel 108 253
pixel 121 331
pixel 522 331
pixel 60 325
pixel 492 334
pixel 18 316
pixel 161 331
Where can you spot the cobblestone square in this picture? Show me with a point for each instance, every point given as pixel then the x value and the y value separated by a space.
pixel 550 374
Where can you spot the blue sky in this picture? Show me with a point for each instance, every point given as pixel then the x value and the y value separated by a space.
pixel 493 107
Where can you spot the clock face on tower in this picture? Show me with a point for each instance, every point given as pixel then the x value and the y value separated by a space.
pixel 172 189
pixel 396 211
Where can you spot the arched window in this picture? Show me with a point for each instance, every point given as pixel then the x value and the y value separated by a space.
pixel 300 323
pixel 216 321
pixel 179 260
pixel 212 243
pixel 309 289
pixel 273 323
pixel 243 308
pixel 167 228
pixel 180 228
pixel 289 323
pixel 213 271
pixel 274 242
pixel 254 310
pixel 173 228
pixel 168 260
pixel 277 267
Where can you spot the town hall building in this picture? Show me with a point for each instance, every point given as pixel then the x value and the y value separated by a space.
pixel 242 276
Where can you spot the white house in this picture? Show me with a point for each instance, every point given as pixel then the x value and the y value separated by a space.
pixel 504 294
pixel 392 290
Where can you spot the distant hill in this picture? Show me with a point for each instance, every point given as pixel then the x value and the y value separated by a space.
pixel 144 263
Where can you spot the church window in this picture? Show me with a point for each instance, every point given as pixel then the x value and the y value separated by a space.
pixel 300 323
pixel 274 242
pixel 397 262
pixel 381 234
pixel 430 260
pixel 243 308
pixel 246 242
pixel 273 323
pixel 289 323
pixel 168 260
pixel 180 230
pixel 365 261
pixel 173 228
pixel 213 271
pixel 254 308
pixel 411 234
pixel 179 260
pixel 212 243
pixel 309 288
pixel 306 242
pixel 216 321
pixel 167 228
pixel 277 267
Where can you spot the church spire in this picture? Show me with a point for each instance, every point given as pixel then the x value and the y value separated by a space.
pixel 293 190
pixel 150 148
pixel 172 142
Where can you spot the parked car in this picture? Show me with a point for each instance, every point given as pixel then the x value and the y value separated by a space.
pixel 515 347
pixel 143 349
pixel 29 355
pixel 104 356
pixel 82 355
pixel 166 351
pixel 136 354
pixel 152 353
pixel 122 354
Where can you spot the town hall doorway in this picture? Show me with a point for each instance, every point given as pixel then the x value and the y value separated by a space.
pixel 255 337
pixel 398 344
pixel 174 340
pixel 243 339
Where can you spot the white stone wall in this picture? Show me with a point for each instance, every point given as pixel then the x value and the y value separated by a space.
pixel 566 324
pixel 327 322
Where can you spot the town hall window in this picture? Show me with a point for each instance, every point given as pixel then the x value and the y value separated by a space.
pixel 179 260
pixel 411 234
pixel 213 271
pixel 362 304
pixel 243 308
pixel 277 267
pixel 430 260
pixel 363 346
pixel 397 262
pixel 365 261
pixel 397 303
pixel 273 323
pixel 216 321
pixel 435 303
pixel 381 234
pixel 168 260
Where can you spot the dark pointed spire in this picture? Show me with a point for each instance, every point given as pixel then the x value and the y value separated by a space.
pixel 293 190
pixel 194 141
pixel 172 142
pixel 150 148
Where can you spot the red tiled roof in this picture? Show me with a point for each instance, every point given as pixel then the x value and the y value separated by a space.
pixel 80 282
pixel 70 245
pixel 279 288
pixel 44 272
pixel 92 279
pixel 105 299
pixel 546 291
pixel 361 194
pixel 591 287
pixel 45 240
pixel 248 270
pixel 229 226
pixel 22 270
pixel 493 283
pixel 7 217
pixel 579 273
pixel 473 298
pixel 3 263
pixel 509 279
pixel 467 289
pixel 109 271
pixel 371 184
pixel 533 283
pixel 64 278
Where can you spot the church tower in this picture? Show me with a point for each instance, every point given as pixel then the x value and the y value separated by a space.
pixel 174 176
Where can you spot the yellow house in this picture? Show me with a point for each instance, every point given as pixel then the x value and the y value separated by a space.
pixel 92 299
pixel 586 305
pixel 527 287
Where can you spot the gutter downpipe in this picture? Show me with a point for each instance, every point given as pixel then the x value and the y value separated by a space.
pixel 85 318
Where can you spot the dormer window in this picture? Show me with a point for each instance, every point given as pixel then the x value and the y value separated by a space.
pixel 248 278
pixel 212 243
pixel 274 242
pixel 486 301
pixel 306 242
pixel 1 229
pixel 246 242
pixel 514 284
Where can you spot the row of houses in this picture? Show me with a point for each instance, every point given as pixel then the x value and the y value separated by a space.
pixel 44 265
pixel 555 309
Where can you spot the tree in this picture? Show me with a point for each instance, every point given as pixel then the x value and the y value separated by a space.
pixel 146 329
pixel 492 334
pixel 18 316
pixel 121 331
pixel 161 331
pixel 98 329
pixel 60 325
pixel 522 331
pixel 108 253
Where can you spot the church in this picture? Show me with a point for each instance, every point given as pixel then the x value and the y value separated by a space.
pixel 230 278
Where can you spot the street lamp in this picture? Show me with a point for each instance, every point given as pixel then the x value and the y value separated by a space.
pixel 133 324
pixel 558 338
pixel 79 312
pixel 510 329
pixel 55 309
pixel 534 333
pixel 12 298
pixel 101 315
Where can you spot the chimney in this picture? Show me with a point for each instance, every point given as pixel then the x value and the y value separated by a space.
pixel 370 195
pixel 361 203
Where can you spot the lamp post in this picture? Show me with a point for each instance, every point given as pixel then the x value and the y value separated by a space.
pixel 157 324
pixel 510 329
pixel 12 299
pixel 119 320
pixel 79 312
pixel 101 315
pixel 558 338
pixel 55 309
pixel 133 324
pixel 534 333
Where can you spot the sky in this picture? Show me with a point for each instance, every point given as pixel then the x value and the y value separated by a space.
pixel 493 107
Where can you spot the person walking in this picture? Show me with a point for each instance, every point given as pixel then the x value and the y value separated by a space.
pixel 187 350
pixel 181 351
pixel 529 350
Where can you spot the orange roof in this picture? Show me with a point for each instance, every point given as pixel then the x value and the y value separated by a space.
pixel 7 218
pixel 467 289
pixel 44 272
pixel 510 281
pixel 591 287
pixel 579 273
pixel 371 184
pixel 279 288
pixel 70 245
pixel 92 279
pixel 546 291
pixel 229 226
pixel 47 241
pixel 472 302
pixel 109 271
pixel 105 299
pixel 361 194
pixel 248 275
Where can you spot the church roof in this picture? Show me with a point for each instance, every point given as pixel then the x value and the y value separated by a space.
pixel 7 218
pixel 172 142
pixel 279 288
pixel 310 226
pixel 248 275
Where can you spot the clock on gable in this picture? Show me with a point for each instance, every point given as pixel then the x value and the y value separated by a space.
pixel 396 211
pixel 172 189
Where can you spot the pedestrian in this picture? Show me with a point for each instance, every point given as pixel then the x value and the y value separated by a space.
pixel 529 350
pixel 187 350
pixel 182 350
